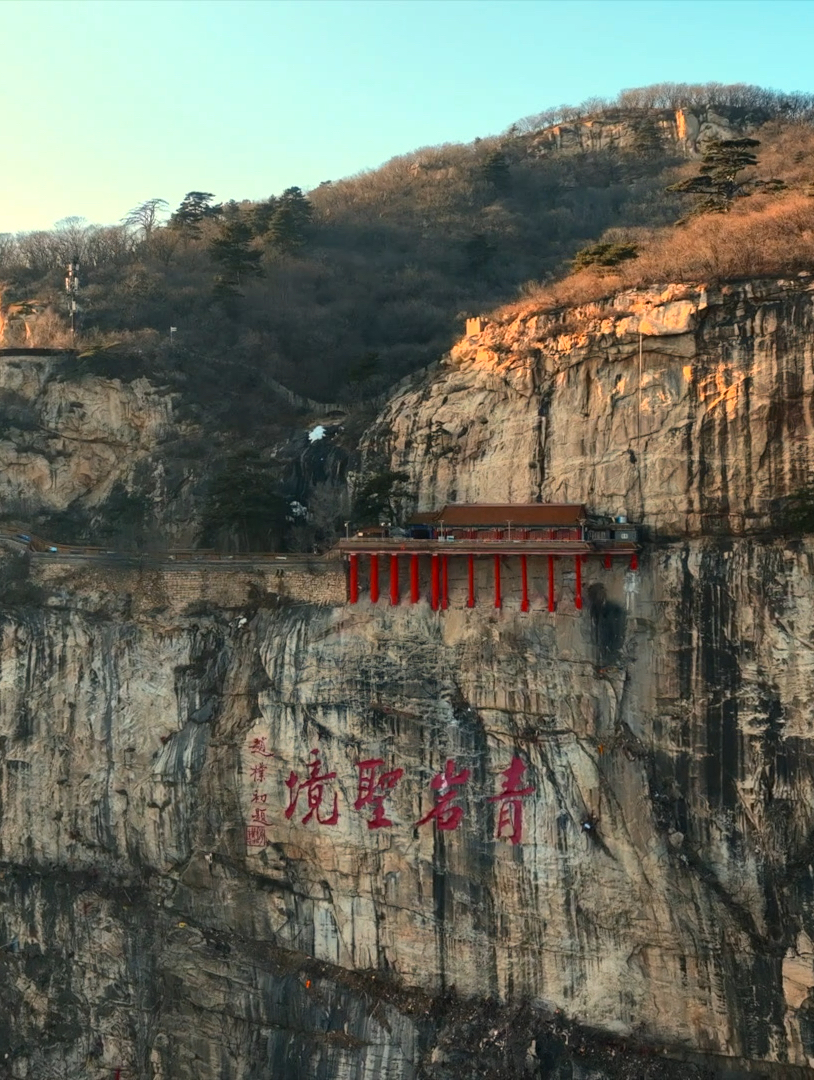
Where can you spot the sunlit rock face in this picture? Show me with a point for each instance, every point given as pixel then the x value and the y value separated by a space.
pixel 686 408
pixel 684 129
pixel 302 840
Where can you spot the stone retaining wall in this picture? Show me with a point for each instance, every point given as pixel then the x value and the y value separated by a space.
pixel 155 588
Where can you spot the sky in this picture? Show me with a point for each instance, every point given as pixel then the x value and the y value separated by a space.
pixel 107 103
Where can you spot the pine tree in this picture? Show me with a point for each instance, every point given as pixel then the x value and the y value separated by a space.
pixel 495 171
pixel 647 143
pixel 242 506
pixel 233 251
pixel 604 255
pixel 378 498
pixel 195 207
pixel 231 210
pixel 479 253
pixel 719 183
pixel 262 215
pixel 288 228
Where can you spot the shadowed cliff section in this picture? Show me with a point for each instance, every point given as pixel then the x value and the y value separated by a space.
pixel 669 939
pixel 165 914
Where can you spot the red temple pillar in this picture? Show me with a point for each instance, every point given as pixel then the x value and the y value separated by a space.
pixel 550 582
pixel 374 578
pixel 353 588
pixel 578 584
pixel 498 601
pixel 634 561
pixel 414 595
pixel 444 583
pixel 434 582
pixel 394 580
pixel 524 576
pixel 470 602
pixel 608 561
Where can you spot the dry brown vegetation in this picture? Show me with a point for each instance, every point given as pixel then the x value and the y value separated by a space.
pixel 378 285
pixel 765 235
pixel 394 258
pixel 669 96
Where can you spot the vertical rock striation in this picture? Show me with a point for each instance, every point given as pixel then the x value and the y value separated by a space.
pixel 613 130
pixel 70 440
pixel 190 884
pixel 552 408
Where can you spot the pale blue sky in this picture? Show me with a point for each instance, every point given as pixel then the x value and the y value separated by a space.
pixel 106 103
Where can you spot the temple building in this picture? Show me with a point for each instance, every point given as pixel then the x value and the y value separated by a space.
pixel 437 543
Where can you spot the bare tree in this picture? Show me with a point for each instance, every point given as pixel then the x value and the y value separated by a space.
pixel 109 245
pixel 8 249
pixel 39 251
pixel 163 244
pixel 795 106
pixel 71 235
pixel 146 216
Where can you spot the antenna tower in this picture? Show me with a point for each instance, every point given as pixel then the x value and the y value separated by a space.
pixel 72 289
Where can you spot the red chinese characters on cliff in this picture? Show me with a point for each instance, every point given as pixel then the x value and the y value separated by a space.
pixel 258 746
pixel 313 796
pixel 445 813
pixel 374 785
pixel 255 836
pixel 510 816
pixel 259 812
pixel 314 787
pixel 256 830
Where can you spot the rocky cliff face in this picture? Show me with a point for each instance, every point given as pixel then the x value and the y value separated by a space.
pixel 688 408
pixel 120 463
pixel 70 440
pixel 686 129
pixel 191 884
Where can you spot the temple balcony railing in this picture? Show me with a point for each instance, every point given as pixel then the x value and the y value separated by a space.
pixel 362 545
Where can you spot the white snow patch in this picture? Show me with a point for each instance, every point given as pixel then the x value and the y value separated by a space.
pixel 317 434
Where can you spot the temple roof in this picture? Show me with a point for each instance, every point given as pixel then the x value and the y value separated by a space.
pixel 545 515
